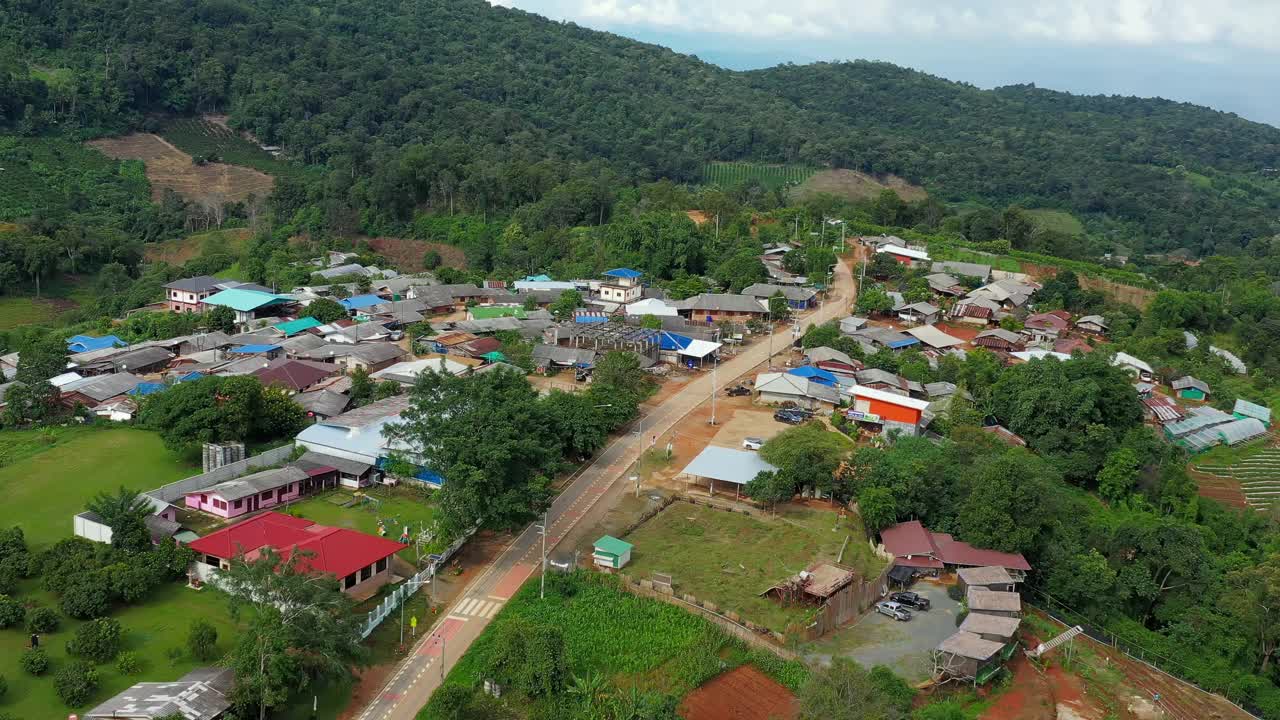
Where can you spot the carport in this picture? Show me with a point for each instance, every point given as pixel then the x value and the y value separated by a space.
pixel 737 467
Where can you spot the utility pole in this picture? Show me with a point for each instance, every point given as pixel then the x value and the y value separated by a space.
pixel 542 589
pixel 714 385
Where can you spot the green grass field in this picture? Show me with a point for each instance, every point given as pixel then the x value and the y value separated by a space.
pixel 728 174
pixel 1057 220
pixel 151 628
pixel 628 640
pixel 730 558
pixel 45 489
pixel 399 507
pixel 16 312
pixel 198 137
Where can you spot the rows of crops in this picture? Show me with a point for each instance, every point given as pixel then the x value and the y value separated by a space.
pixel 623 637
pixel 1258 476
pixel 204 139
pixel 730 174
pixel 34 170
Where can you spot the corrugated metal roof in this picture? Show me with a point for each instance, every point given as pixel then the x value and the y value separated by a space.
pixel 728 465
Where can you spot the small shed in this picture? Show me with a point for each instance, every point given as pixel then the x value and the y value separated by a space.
pixel 989 578
pixel 1189 388
pixel 991 627
pixel 968 657
pixel 612 553
pixel 994 602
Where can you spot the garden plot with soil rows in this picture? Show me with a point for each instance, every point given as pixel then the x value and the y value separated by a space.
pixel 1252 481
pixel 743 693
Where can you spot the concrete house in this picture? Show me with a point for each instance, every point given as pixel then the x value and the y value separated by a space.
pixel 711 308
pixel 621 285
pixel 798 298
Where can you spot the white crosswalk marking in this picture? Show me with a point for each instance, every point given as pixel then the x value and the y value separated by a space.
pixel 465 607
pixel 493 610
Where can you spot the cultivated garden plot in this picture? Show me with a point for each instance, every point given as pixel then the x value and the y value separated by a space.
pixel 1257 475
pixel 729 558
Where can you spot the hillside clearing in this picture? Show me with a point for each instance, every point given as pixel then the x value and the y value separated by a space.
pixel 169 168
pixel 1057 221
pixel 406 255
pixel 180 250
pixel 855 185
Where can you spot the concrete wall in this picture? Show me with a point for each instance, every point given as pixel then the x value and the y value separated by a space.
pixel 174 492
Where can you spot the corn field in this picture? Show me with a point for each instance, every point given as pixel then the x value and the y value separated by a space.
pixel 730 174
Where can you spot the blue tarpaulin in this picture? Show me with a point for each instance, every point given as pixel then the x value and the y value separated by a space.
pixel 254 349
pixel 626 273
pixel 189 377
pixel 672 341
pixel 817 375
pixel 361 301
pixel 87 343
pixel 147 388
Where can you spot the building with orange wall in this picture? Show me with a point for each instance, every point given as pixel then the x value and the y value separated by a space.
pixel 878 407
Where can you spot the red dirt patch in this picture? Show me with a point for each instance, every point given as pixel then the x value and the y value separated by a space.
pixel 743 693
pixel 960 330
pixel 1028 697
pixel 168 168
pixel 407 254
pixel 697 216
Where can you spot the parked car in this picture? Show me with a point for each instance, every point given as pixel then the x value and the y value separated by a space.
pixel 753 443
pixel 738 390
pixel 910 599
pixel 893 610
pixel 791 417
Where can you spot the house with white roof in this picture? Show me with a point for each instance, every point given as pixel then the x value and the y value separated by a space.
pixel 1135 366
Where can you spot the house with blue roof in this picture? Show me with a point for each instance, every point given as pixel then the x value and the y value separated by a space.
pixel 148 388
pixel 818 375
pixel 88 343
pixel 621 285
pixel 268 351
pixel 247 304
pixel 360 302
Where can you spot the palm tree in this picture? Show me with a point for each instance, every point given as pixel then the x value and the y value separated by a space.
pixel 125 512
pixel 590 690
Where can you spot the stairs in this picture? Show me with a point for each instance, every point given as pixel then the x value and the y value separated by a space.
pixel 1065 637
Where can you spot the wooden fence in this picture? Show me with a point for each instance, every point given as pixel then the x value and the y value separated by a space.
pixel 848 603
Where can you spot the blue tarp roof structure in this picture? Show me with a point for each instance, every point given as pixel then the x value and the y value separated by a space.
pixel 627 273
pixel 193 375
pixel 253 349
pixel 817 375
pixel 87 343
pixel 672 341
pixel 147 388
pixel 361 301
pixel 537 278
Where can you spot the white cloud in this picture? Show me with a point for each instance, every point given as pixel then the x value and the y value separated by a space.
pixel 1253 24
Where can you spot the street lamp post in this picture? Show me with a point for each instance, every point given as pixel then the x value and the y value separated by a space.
pixel 639 450
pixel 542 589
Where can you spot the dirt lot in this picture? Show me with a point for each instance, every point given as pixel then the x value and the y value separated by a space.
pixel 904 646
pixel 168 168
pixel 743 693
pixel 857 186
pixel 407 254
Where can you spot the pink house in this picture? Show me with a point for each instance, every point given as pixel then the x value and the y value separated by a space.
pixel 259 491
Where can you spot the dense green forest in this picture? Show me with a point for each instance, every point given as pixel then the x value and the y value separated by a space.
pixel 460 105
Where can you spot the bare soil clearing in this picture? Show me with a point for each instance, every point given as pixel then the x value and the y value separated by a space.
pixel 857 186
pixel 168 168
pixel 743 693
pixel 407 254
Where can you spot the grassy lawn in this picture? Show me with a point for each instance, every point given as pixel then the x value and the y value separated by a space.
pixel 730 558
pixel 150 630
pixel 398 507
pixel 19 311
pixel 1057 220
pixel 626 639
pixel 45 489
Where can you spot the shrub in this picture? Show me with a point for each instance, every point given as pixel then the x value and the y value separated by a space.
pixel 11 611
pixel 98 641
pixel 955 593
pixel 35 661
pixel 173 655
pixel 202 640
pixel 75 683
pixel 42 620
pixel 85 601
pixel 129 663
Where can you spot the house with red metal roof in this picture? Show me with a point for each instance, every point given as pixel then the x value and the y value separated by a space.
pixel 361 563
pixel 295 375
pixel 914 546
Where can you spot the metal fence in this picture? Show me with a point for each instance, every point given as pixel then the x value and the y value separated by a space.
pixel 407 588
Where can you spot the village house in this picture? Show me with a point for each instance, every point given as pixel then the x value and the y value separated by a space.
pixel 1006 435
pixel 976 311
pixel 797 298
pixel 991 577
pixel 980 272
pixel 914 546
pixel 992 628
pixel 878 337
pixel 773 388
pixel 187 294
pixel 368 356
pixel 921 313
pixel 94 391
pixel 622 286
pixel 358 435
pixel 712 308
pixel 886 410
pixel 999 339
pixel 321 404
pixel 254 492
pixel 878 379
pixel 359 562
pixel 247 304
pixel 851 325
pixel 968 657
pixel 1008 293
pixel 944 284
pixel 294 375
pixel 1046 327
pixel 1133 365
pixel 908 256
pixel 1092 325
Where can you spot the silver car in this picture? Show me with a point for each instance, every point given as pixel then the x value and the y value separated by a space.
pixel 893 610
pixel 753 443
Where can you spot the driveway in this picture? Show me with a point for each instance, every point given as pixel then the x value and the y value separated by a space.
pixel 903 646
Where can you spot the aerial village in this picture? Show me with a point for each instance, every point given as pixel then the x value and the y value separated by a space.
pixel 729 373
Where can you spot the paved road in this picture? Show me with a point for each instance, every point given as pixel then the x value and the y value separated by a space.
pixel 420 673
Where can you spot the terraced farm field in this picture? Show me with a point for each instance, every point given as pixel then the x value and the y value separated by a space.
pixel 1252 480
pixel 729 174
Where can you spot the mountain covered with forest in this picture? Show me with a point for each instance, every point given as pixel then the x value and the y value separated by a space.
pixel 425 102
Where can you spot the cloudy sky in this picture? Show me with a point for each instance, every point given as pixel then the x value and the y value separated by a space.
pixel 1222 53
